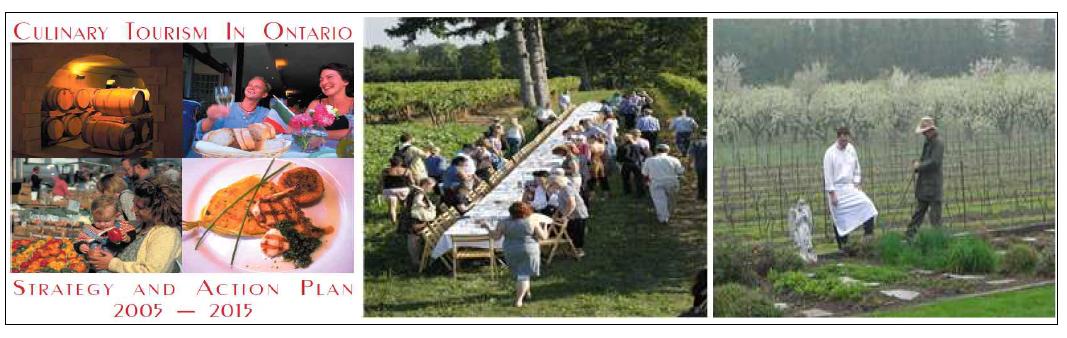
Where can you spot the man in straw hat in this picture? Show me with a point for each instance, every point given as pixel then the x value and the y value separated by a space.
pixel 929 182
pixel 849 206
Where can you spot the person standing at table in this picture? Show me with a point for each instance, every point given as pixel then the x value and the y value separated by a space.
pixel 35 183
pixel 419 211
pixel 515 137
pixel 565 101
pixel 571 209
pixel 544 116
pixel 610 125
pixel 571 165
pixel 60 188
pixel 396 181
pixel 662 171
pixel 411 156
pixel 522 251
pixel 598 172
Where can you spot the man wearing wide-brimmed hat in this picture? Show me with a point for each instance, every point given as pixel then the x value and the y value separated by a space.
pixel 929 182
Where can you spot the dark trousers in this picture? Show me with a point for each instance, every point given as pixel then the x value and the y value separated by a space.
pixel 652 137
pixel 702 184
pixel 514 145
pixel 920 210
pixel 595 182
pixel 681 139
pixel 842 240
pixel 630 121
pixel 576 229
pixel 632 179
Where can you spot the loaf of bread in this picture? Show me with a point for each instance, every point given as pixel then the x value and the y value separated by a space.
pixel 222 137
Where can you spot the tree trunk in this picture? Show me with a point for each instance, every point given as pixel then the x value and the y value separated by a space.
pixel 526 89
pixel 535 43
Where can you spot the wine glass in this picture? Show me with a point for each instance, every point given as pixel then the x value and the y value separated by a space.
pixel 224 95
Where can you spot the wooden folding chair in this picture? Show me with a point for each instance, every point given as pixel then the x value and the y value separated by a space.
pixel 430 236
pixel 462 251
pixel 558 236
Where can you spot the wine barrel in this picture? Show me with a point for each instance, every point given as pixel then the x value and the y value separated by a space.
pixel 144 131
pixel 56 98
pixel 111 135
pixel 87 119
pixel 83 98
pixel 147 100
pixel 73 124
pixel 119 101
pixel 52 128
pixel 64 99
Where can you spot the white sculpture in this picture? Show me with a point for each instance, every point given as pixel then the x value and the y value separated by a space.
pixel 800 230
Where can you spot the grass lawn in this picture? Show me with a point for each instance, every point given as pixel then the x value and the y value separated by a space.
pixel 634 267
pixel 1032 302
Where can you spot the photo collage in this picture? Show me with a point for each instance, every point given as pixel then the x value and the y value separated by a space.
pixel 553 166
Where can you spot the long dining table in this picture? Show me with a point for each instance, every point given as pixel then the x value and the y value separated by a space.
pixel 493 207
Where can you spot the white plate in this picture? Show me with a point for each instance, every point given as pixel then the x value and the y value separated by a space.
pixel 217 249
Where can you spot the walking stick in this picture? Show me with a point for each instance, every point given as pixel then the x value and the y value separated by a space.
pixel 911 180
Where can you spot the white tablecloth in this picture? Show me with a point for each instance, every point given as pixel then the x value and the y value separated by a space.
pixel 494 205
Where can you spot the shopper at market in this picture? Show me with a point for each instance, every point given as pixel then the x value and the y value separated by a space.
pixel 60 189
pixel 35 183
pixel 107 231
pixel 157 246
pixel 114 185
pixel 143 169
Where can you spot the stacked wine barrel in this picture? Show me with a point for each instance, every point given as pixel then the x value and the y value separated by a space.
pixel 108 119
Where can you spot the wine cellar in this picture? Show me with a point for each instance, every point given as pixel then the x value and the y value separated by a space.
pixel 102 100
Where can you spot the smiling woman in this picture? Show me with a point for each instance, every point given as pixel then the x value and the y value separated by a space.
pixel 303 91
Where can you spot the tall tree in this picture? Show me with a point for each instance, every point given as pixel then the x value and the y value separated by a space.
pixel 538 71
pixel 526 88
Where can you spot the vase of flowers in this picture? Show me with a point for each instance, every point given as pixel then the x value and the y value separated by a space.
pixel 309 128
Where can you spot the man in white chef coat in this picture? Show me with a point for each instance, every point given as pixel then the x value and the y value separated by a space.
pixel 849 206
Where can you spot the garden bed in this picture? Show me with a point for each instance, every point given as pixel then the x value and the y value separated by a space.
pixel 886 272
